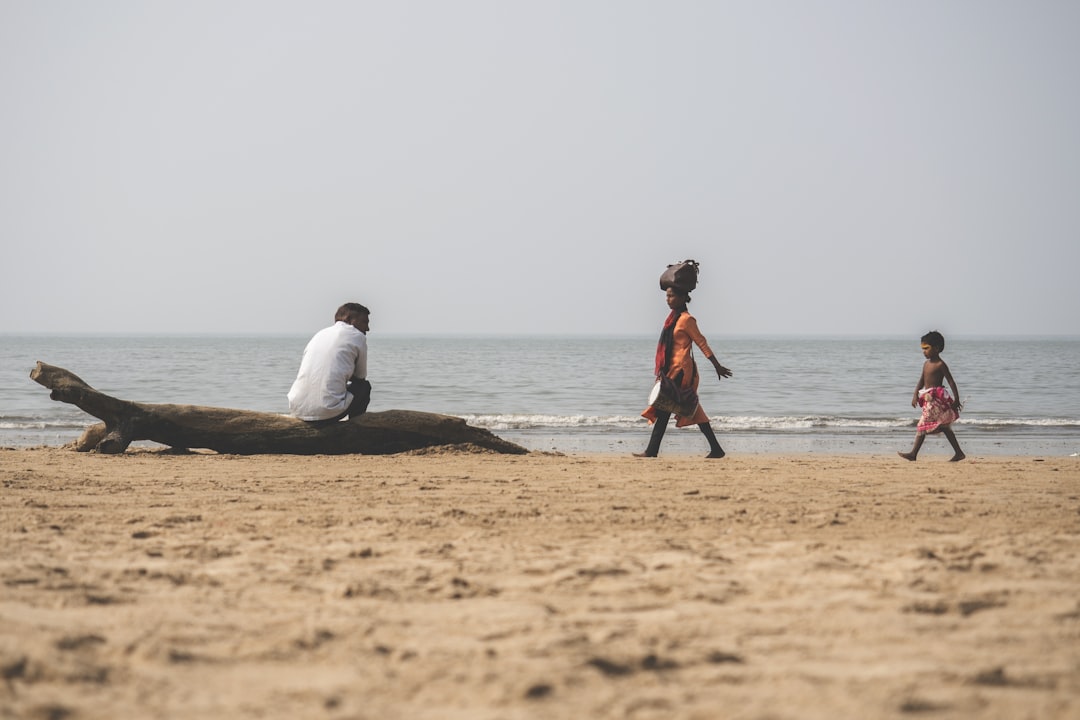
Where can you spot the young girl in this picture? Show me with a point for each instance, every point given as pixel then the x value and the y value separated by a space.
pixel 939 411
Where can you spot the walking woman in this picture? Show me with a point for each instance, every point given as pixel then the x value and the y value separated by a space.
pixel 675 359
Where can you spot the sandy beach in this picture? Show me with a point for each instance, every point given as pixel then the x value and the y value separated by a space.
pixel 450 584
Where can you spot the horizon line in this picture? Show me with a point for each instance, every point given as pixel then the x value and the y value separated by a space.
pixel 445 334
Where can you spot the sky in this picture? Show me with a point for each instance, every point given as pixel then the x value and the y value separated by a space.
pixel 531 167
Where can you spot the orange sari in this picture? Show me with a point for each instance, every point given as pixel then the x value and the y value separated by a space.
pixel 681 360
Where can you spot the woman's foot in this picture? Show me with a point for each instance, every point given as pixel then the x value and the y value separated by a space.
pixel 644 454
pixel 957 457
pixel 908 456
pixel 716 454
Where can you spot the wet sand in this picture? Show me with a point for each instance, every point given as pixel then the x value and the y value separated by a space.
pixel 465 585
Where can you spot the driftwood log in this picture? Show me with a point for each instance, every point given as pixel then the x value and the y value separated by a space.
pixel 245 432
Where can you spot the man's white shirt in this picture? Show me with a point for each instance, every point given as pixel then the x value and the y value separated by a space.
pixel 332 357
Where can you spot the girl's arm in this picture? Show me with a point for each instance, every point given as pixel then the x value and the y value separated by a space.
pixel 922 383
pixel 955 390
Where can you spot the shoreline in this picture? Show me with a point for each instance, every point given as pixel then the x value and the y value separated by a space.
pixel 443 584
pixel 687 442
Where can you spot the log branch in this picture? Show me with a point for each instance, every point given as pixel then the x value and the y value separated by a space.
pixel 245 432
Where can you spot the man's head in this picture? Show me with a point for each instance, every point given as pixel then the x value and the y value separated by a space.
pixel 355 314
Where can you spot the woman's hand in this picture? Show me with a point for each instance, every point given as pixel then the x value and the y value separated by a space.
pixel 721 371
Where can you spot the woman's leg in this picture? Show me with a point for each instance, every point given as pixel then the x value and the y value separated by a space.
pixel 657 436
pixel 715 451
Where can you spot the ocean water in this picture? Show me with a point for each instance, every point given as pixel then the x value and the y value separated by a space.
pixel 847 395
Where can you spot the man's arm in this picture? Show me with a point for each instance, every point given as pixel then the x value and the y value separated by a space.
pixel 360 363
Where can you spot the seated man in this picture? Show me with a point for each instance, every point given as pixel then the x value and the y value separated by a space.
pixel 332 380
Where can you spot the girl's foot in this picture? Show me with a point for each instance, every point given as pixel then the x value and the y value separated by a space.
pixel 907 456
pixel 644 454
pixel 716 454
pixel 957 457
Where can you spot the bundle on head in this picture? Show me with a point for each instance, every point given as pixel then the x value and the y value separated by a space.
pixel 680 275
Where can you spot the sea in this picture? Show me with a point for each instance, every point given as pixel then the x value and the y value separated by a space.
pixel 577 394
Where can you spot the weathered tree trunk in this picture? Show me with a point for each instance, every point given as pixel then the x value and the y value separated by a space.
pixel 245 432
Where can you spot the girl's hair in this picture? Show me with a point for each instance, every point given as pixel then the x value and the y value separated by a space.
pixel 934 339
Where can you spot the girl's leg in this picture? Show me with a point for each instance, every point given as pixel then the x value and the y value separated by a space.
pixel 715 451
pixel 919 439
pixel 657 436
pixel 958 454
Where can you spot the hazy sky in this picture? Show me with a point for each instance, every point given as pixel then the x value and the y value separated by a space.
pixel 531 167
